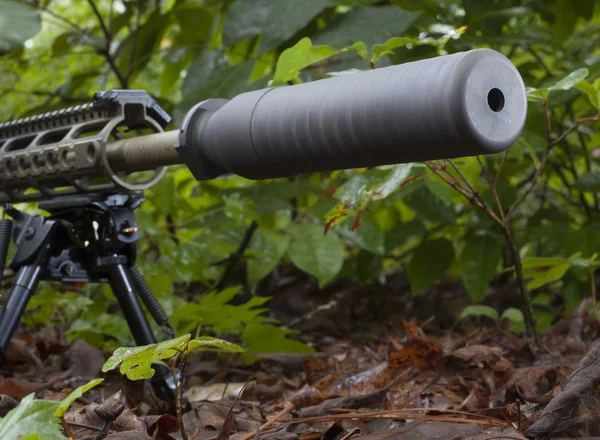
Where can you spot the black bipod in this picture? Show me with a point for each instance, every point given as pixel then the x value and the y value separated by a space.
pixel 90 239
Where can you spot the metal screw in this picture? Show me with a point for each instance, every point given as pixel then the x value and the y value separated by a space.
pixel 68 269
pixel 29 233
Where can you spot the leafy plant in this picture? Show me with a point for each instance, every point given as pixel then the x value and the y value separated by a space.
pixel 525 213
pixel 136 362
pixel 36 419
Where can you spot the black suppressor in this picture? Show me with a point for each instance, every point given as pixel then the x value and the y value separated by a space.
pixel 463 104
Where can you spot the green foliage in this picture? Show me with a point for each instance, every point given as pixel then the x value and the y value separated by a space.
pixel 480 310
pixel 314 253
pixel 136 362
pixel 18 22
pixel 32 417
pixel 39 419
pixel 358 223
pixel 75 394
pixel 478 263
pixel 430 261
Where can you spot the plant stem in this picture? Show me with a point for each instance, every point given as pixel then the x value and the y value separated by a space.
pixel 106 51
pixel 530 324
pixel 593 281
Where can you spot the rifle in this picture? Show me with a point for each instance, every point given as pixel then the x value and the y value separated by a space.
pixel 78 162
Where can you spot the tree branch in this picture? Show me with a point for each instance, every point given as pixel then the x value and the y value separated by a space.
pixel 106 52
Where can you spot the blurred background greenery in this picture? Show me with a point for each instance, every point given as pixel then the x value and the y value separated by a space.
pixel 57 53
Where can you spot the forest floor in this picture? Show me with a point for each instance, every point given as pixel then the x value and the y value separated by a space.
pixel 386 366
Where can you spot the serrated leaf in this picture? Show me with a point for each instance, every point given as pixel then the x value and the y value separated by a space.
pixel 479 310
pixel 271 339
pixel 268 248
pixel 478 262
pixel 430 261
pixel 570 80
pixel 32 417
pixel 136 361
pixel 276 20
pixel 319 255
pixel 19 22
pixel 76 394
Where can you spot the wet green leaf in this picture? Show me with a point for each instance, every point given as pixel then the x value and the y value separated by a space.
pixel 319 255
pixel 430 261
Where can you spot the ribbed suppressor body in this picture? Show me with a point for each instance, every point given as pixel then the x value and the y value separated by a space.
pixel 462 104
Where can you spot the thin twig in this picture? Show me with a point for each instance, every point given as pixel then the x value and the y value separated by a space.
pixel 67 428
pixel 59 17
pixel 287 409
pixel 134 44
pixel 593 281
pixel 106 51
pixel 586 155
pixel 182 364
pixel 83 425
pixel 235 258
pixel 492 182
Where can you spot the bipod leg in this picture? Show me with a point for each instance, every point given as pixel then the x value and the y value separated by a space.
pixel 150 301
pixel 123 289
pixel 24 285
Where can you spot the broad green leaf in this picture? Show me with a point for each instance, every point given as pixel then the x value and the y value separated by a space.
pixel 512 314
pixel 319 255
pixel 588 182
pixel 537 262
pixel 368 266
pixel 573 79
pixel 367 236
pixel 298 57
pixel 19 22
pixel 478 262
pixel 76 394
pixel 390 183
pixel 136 361
pixel 430 205
pixel 304 54
pixel 430 261
pixel 369 24
pixel 276 20
pixel 267 249
pixel 591 92
pixel 544 270
pixel 388 47
pixel 360 190
pixel 570 80
pixel 479 310
pixel 32 417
